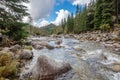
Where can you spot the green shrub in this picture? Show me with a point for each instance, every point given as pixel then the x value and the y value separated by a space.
pixel 38 33
pixel 9 70
pixel 117 25
pixel 7 65
pixel 105 27
pixel 5 58
pixel 17 31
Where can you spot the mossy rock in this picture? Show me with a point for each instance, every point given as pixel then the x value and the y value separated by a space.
pixel 28 47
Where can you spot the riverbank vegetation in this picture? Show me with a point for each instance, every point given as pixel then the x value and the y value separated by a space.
pixel 11 24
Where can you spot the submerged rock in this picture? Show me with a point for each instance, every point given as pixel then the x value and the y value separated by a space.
pixel 78 48
pixel 26 55
pixel 47 68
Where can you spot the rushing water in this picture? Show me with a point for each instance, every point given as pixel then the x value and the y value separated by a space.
pixel 90 60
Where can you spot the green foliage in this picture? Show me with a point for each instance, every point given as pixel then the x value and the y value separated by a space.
pixel 17 31
pixel 48 30
pixel 7 65
pixel 70 24
pixel 98 14
pixel 11 15
pixel 5 58
pixel 107 12
pixel 103 12
pixel 12 10
pixel 105 27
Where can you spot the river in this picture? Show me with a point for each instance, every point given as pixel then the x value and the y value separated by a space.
pixel 90 60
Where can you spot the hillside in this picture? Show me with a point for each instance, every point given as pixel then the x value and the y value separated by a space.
pixel 49 28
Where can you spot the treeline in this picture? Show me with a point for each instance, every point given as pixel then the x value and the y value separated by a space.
pixel 11 15
pixel 99 14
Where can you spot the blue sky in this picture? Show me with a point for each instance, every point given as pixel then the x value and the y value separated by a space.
pixel 45 12
pixel 66 5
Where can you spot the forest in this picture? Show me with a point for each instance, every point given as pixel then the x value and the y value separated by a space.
pixel 97 15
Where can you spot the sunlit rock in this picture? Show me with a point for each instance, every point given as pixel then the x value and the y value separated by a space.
pixel 26 55
pixel 50 47
pixel 15 48
pixel 47 68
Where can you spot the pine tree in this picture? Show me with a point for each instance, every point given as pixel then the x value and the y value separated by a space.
pixel 76 28
pixel 108 11
pixel 90 15
pixel 63 23
pixel 70 23
pixel 12 10
pixel 98 14
pixel 11 15
pixel 117 10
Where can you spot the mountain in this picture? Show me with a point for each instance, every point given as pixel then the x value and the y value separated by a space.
pixel 49 28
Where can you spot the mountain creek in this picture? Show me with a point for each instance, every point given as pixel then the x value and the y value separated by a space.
pixel 81 60
pixel 69 57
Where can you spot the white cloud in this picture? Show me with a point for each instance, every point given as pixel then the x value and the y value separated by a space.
pixel 61 14
pixel 40 9
pixel 80 2
pixel 43 23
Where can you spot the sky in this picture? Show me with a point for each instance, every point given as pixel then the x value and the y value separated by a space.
pixel 44 12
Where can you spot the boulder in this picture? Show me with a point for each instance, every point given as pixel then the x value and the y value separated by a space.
pixel 39 47
pixel 116 34
pixel 15 48
pixel 58 42
pixel 50 47
pixel 26 55
pixel 114 66
pixel 47 68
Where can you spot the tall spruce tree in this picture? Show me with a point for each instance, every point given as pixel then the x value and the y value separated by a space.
pixel 108 11
pixel 70 23
pixel 12 11
pixel 98 14
pixel 90 15
pixel 117 10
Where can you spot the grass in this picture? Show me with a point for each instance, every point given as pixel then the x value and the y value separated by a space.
pixel 7 65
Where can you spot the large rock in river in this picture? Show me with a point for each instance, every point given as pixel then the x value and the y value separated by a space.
pixel 15 48
pixel 47 68
pixel 26 55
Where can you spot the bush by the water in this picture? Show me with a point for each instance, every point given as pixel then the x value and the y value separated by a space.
pixel 7 65
pixel 17 31
pixel 105 27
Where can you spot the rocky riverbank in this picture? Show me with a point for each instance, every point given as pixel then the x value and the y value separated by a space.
pixel 108 39
pixel 91 55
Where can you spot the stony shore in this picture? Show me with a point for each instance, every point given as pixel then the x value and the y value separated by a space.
pixel 23 54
